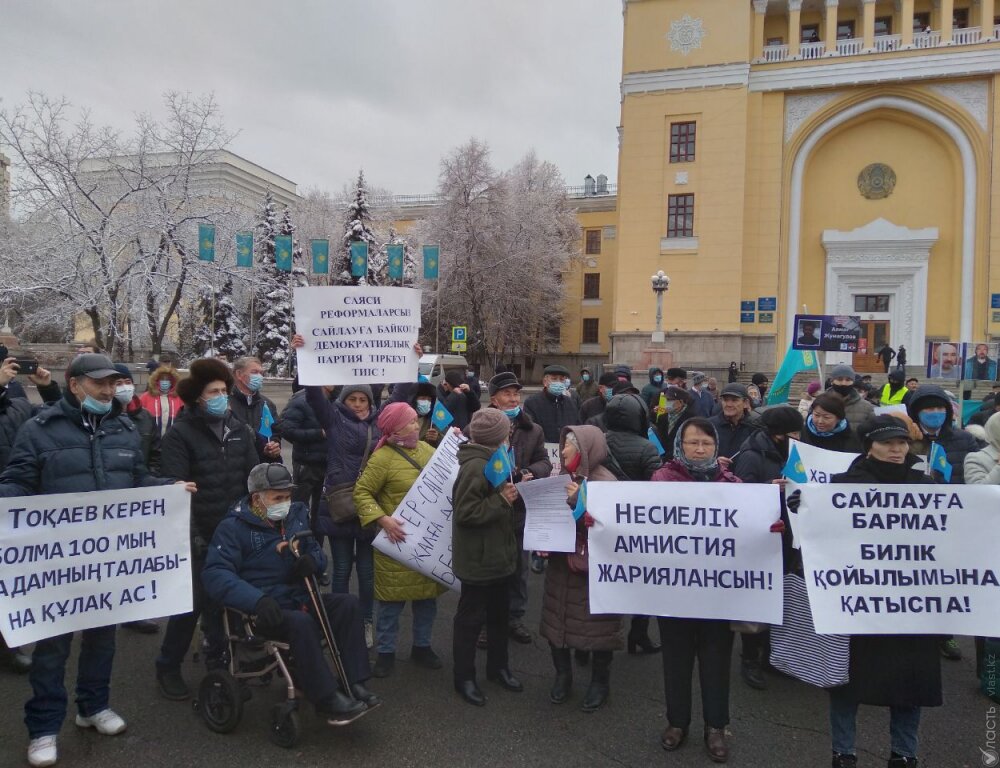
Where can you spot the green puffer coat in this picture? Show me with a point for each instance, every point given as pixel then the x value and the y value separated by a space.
pixel 483 545
pixel 386 480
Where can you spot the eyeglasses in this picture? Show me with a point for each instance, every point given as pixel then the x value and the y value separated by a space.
pixel 706 444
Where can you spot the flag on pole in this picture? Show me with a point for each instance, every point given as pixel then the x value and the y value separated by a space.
pixel 796 360
pixel 432 261
pixel 206 242
pixel 498 469
pixel 321 256
pixel 442 417
pixel 266 420
pixel 283 252
pixel 655 440
pixel 244 249
pixel 395 255
pixel 939 461
pixel 581 501
pixel 359 258
pixel 794 469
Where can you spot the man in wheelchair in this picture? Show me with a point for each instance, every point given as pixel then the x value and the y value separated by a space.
pixel 251 567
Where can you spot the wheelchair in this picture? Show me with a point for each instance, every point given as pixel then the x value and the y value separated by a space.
pixel 223 692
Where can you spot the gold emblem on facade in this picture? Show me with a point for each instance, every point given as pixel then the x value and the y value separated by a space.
pixel 876 181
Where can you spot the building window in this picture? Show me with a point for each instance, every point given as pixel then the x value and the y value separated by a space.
pixel 680 216
pixel 883 25
pixel 810 33
pixel 921 22
pixel 960 19
pixel 874 303
pixel 592 285
pixel 775 41
pixel 590 330
pixel 682 142
pixel 845 30
pixel 593 245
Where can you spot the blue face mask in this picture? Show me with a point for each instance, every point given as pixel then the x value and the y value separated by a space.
pixel 557 388
pixel 513 413
pixel 586 377
pixel 165 385
pixel 218 405
pixel 423 407
pixel 933 420
pixel 256 382
pixel 90 405
pixel 608 394
pixel 657 379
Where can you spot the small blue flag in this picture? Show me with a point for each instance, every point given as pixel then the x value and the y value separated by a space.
pixel 442 417
pixel 244 249
pixel 283 252
pixel 206 242
pixel 432 261
pixel 395 256
pixel 266 420
pixel 321 256
pixel 655 440
pixel 794 469
pixel 359 258
pixel 795 360
pixel 939 461
pixel 498 469
pixel 581 501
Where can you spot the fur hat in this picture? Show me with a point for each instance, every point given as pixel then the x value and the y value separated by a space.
pixel 201 373
pixel 489 427
pixel 503 381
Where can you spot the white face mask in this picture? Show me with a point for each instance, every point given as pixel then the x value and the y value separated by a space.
pixel 124 393
pixel 278 512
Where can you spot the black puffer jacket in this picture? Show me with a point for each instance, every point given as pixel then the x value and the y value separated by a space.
pixel 758 460
pixel 149 434
pixel 552 413
pixel 56 452
pixel 192 450
pixel 630 454
pixel 302 429
pixel 14 411
pixel 957 443
pixel 250 411
pixel 732 437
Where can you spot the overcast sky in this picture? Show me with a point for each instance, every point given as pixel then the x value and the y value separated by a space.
pixel 318 89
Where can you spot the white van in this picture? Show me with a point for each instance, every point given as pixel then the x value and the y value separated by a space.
pixel 434 367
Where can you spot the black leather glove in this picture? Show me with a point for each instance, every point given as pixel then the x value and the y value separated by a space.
pixel 269 615
pixel 305 566
pixel 793 500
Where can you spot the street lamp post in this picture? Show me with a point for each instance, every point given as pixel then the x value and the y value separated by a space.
pixel 660 283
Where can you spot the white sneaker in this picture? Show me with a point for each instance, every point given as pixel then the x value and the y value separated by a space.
pixel 106 722
pixel 369 635
pixel 42 751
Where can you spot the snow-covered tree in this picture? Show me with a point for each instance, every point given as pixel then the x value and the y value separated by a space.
pixel 220 330
pixel 409 262
pixel 358 228
pixel 506 239
pixel 273 343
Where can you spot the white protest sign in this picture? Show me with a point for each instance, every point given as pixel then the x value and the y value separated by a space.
pixel 890 410
pixel 820 464
pixel 81 560
pixel 687 550
pixel 549 525
pixel 552 449
pixel 425 513
pixel 901 559
pixel 357 334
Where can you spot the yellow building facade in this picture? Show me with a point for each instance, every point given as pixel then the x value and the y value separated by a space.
pixel 777 155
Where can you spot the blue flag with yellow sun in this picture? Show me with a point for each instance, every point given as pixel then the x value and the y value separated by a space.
pixel 321 256
pixel 442 417
pixel 796 360
pixel 283 252
pixel 394 253
pixel 794 469
pixel 206 242
pixel 266 420
pixel 498 469
pixel 244 249
pixel 432 261
pixel 581 501
pixel 938 460
pixel 359 258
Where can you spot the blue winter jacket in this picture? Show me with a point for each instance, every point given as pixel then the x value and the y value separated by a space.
pixel 243 563
pixel 56 452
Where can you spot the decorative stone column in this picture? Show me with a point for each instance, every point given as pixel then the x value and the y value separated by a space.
pixel 868 25
pixel 906 23
pixel 947 17
pixel 986 11
pixel 759 13
pixel 794 28
pixel 830 27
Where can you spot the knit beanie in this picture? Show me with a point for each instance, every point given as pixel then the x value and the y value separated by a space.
pixel 350 389
pixel 842 372
pixel 781 420
pixel 489 427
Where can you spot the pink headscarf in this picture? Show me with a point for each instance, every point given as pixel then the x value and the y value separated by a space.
pixel 393 418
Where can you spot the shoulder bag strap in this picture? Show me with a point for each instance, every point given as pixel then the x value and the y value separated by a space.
pixel 406 456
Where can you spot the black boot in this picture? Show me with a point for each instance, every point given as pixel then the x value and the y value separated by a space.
pixel 600 682
pixel 564 675
pixel 898 761
pixel 844 761
pixel 638 636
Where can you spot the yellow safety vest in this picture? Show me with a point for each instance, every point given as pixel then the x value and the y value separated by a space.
pixel 896 399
